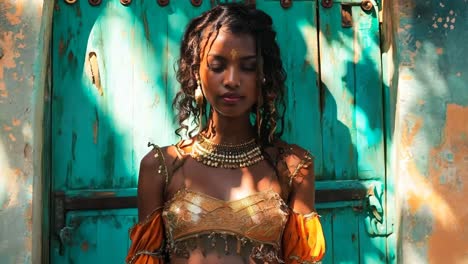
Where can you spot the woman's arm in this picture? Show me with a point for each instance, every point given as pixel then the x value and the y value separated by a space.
pixel 303 240
pixel 151 183
pixel 148 234
pixel 302 180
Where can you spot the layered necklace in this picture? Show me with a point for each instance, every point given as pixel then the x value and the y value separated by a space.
pixel 227 156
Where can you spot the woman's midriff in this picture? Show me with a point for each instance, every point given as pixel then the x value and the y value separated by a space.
pixel 225 251
pixel 197 257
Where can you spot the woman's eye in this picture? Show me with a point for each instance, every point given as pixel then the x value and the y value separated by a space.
pixel 249 67
pixel 216 67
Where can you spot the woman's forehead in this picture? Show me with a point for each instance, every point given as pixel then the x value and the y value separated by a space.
pixel 225 41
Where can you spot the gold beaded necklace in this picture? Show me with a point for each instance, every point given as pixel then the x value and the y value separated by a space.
pixel 227 156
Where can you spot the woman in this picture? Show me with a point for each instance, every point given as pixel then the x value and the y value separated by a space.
pixel 234 192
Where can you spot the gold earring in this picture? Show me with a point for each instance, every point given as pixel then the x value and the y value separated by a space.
pixel 199 98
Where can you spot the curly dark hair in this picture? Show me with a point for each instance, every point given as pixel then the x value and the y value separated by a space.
pixel 271 76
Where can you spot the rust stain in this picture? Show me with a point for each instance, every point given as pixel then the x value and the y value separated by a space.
pixel 411 131
pixel 12 137
pixel 20 35
pixel 13 184
pixel 449 243
pixel 440 51
pixel 61 49
pixel 407 77
pixel 95 126
pixel 15 17
pixel 3 93
pixel 70 56
pixel 84 246
pixel 357 48
pixel 443 189
pixel 7 42
pixel 16 122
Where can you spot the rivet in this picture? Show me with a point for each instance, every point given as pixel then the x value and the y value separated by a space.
pixel 94 2
pixel 196 3
pixel 163 2
pixel 125 2
pixel 286 3
pixel 327 3
pixel 366 5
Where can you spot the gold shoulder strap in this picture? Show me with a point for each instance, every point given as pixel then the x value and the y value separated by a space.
pixel 162 168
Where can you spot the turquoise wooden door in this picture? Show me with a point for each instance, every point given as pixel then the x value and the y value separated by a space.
pixel 113 84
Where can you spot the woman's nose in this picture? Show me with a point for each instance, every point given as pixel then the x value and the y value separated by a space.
pixel 232 78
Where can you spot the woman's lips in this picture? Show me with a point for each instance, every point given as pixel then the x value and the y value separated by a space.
pixel 231 98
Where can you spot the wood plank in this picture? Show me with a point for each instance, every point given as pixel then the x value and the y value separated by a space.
pixel 68 99
pixel 150 70
pixel 113 228
pixel 369 101
pixel 112 41
pixel 371 249
pixel 326 219
pixel 345 236
pixel 338 87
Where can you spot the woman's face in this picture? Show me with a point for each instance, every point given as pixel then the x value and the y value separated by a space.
pixel 228 72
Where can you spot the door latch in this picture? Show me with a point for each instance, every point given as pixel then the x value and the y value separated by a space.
pixel 375 218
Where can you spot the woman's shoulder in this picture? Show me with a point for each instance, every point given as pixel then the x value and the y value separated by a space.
pixel 165 155
pixel 288 151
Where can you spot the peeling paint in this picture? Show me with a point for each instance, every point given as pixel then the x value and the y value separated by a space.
pixel 451 237
pixel 440 199
pixel 14 17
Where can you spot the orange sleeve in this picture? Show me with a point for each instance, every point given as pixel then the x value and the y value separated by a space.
pixel 147 241
pixel 303 240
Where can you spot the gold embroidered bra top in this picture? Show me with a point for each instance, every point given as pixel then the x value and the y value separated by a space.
pixel 255 222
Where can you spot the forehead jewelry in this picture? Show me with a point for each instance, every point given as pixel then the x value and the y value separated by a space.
pixel 234 54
